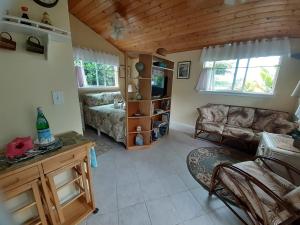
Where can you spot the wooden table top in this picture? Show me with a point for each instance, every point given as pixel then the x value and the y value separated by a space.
pixel 70 140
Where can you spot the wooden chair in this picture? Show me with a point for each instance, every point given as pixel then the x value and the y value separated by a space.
pixel 264 196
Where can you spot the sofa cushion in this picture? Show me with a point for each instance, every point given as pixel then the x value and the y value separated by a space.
pixel 277 184
pixel 257 135
pixel 240 116
pixel 214 113
pixel 280 126
pixel 104 98
pixel 212 127
pixel 238 132
pixel 262 117
pixel 293 198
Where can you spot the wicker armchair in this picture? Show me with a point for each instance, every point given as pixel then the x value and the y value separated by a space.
pixel 264 196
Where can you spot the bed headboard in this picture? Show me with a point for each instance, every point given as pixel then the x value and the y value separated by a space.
pixel 104 98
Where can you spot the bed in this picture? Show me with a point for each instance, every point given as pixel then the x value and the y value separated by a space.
pixel 100 113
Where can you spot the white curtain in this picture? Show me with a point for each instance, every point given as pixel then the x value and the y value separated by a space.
pixel 257 48
pixel 95 56
pixel 205 79
pixel 80 75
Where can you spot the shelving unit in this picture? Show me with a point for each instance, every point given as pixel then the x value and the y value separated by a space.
pixel 43 31
pixel 148 103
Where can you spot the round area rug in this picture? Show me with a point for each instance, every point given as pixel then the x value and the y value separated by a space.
pixel 202 161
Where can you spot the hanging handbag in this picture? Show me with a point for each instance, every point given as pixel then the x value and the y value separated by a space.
pixel 7 43
pixel 34 46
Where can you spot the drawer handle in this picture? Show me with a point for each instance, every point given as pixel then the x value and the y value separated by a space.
pixel 66 160
pixel 16 180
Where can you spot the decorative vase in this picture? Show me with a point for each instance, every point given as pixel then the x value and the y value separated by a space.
pixel 46 19
pixel 139 66
pixel 139 139
pixel 138 96
pixel 139 129
pixel 24 10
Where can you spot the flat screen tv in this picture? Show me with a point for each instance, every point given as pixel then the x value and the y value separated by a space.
pixel 159 85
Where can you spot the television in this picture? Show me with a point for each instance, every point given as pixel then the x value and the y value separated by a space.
pixel 159 85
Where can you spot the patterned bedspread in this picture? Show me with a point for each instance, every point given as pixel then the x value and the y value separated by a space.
pixel 106 119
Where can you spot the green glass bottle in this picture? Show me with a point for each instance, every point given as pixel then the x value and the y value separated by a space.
pixel 42 127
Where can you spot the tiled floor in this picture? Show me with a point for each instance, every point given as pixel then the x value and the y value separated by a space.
pixel 154 187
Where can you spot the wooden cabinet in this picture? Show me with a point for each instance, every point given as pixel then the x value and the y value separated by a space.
pixel 30 210
pixel 57 186
pixel 17 179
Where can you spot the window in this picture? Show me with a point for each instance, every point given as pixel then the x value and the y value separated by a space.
pixel 98 75
pixel 249 76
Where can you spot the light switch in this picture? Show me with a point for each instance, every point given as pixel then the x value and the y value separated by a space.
pixel 58 97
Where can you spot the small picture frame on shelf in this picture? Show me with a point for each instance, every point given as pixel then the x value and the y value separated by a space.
pixel 122 71
pixel 183 70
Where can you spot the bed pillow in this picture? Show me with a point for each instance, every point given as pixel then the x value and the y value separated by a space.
pixel 104 98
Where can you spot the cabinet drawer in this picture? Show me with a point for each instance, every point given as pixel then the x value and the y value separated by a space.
pixel 63 160
pixel 18 179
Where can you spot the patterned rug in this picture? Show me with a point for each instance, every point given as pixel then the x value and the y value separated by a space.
pixel 202 161
pixel 103 143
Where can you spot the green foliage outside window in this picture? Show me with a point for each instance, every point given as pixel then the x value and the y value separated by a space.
pixel 98 74
pixel 266 86
pixel 221 68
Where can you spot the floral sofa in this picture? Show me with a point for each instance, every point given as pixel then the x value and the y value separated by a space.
pixel 240 124
pixel 100 113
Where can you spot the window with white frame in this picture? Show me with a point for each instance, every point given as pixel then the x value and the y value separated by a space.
pixel 243 76
pixel 97 74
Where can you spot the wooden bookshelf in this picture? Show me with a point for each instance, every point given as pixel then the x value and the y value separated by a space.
pixel 148 103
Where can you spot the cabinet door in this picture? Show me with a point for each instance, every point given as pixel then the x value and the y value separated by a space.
pixel 69 187
pixel 25 204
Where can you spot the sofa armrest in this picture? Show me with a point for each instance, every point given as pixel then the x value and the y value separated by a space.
pixel 199 115
pixel 252 183
pixel 287 166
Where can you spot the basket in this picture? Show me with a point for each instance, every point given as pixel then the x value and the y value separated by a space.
pixel 34 46
pixel 7 43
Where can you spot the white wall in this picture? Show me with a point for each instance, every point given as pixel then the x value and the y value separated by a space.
pixel 27 79
pixel 83 36
pixel 185 99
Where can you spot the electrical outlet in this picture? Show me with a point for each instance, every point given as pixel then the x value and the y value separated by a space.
pixel 58 97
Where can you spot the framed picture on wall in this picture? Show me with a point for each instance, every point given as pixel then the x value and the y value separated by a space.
pixel 183 70
pixel 122 71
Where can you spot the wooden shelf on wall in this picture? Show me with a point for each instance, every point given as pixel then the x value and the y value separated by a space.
pixel 42 31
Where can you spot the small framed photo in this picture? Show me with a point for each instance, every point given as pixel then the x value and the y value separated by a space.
pixel 122 71
pixel 183 70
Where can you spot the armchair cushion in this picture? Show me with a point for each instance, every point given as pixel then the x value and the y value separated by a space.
pixel 274 182
pixel 240 116
pixel 216 113
pixel 263 117
pixel 293 198
pixel 238 132
pixel 281 126
pixel 212 127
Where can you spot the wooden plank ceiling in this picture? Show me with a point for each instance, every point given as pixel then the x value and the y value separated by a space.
pixel 179 25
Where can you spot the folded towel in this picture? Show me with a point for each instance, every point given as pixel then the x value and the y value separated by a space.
pixel 94 163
